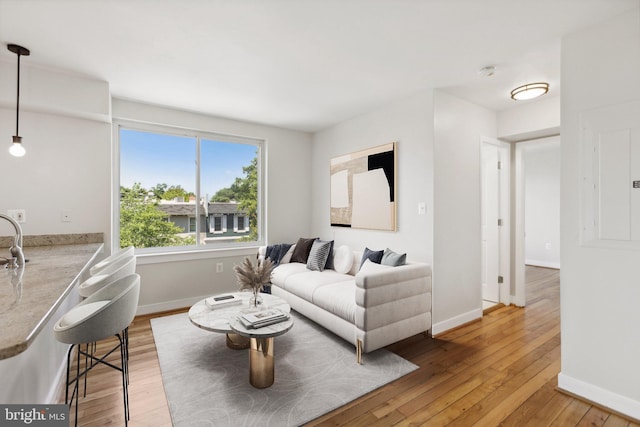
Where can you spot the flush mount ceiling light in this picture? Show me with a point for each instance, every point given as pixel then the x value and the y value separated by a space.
pixel 529 91
pixel 487 71
pixel 17 149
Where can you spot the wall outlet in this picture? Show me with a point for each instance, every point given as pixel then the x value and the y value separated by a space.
pixel 20 215
pixel 422 208
pixel 219 267
pixel 66 216
pixel 547 246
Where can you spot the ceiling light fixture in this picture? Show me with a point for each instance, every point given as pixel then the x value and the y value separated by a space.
pixel 487 71
pixel 17 149
pixel 529 91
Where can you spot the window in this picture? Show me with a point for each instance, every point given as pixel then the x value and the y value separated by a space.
pixel 240 223
pixel 217 224
pixel 183 189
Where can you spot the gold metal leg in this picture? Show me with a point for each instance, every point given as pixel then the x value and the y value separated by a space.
pixel 261 370
pixel 237 342
pixel 359 352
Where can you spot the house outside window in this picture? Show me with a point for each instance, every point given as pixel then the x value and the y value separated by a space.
pixel 169 178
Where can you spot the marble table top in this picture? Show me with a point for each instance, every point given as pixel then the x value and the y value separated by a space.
pixel 269 331
pixel 219 319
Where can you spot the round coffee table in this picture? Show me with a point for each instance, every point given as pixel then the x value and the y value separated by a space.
pixel 218 319
pixel 261 368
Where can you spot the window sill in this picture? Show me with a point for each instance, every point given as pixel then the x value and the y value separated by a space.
pixel 157 258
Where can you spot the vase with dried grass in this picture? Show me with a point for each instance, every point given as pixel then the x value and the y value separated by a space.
pixel 253 278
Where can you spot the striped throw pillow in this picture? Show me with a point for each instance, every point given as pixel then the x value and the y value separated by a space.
pixel 318 255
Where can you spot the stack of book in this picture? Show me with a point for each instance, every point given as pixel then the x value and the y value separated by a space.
pixel 218 301
pixel 262 318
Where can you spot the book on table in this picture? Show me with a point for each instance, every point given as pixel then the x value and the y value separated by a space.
pixel 262 318
pixel 224 300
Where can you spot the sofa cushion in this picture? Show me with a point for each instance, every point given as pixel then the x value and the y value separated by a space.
pixel 392 258
pixel 302 249
pixel 342 259
pixel 318 255
pixel 280 274
pixel 304 284
pixel 338 298
pixel 374 256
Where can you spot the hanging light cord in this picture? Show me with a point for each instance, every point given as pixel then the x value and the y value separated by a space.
pixel 18 98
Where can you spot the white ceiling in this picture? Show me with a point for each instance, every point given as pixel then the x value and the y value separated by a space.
pixel 300 64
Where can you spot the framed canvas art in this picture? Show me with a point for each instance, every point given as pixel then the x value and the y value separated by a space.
pixel 363 189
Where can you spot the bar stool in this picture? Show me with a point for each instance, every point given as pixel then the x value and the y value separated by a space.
pixel 121 266
pixel 107 312
pixel 124 252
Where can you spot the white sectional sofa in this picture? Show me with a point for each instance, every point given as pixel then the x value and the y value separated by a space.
pixel 370 307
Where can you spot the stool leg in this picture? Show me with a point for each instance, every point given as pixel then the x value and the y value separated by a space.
pixel 125 380
pixel 76 390
pixel 66 390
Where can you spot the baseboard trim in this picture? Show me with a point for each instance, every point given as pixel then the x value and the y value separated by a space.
pixel 168 305
pixel 545 264
pixel 599 396
pixel 454 322
pixel 518 301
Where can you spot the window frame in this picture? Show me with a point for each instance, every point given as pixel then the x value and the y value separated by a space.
pixel 159 254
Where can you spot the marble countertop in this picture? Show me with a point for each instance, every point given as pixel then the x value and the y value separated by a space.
pixel 29 296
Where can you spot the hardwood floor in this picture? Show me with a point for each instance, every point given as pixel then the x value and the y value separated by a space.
pixel 500 370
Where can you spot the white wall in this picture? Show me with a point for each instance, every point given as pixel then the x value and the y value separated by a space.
pixel 530 120
pixel 65 130
pixel 458 126
pixel 542 201
pixel 289 195
pixel 600 288
pixel 409 123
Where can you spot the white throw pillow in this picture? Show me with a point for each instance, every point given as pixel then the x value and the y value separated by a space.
pixel 342 259
pixel 371 267
pixel 287 257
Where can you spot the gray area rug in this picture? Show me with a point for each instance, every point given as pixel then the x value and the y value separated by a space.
pixel 207 384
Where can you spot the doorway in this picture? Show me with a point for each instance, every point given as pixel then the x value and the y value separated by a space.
pixel 537 209
pixel 495 217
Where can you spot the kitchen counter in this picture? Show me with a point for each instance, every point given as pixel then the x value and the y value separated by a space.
pixel 30 296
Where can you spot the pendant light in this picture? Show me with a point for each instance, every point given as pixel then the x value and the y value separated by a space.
pixel 17 149
pixel 529 91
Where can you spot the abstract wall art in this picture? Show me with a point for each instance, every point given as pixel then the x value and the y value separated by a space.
pixel 363 189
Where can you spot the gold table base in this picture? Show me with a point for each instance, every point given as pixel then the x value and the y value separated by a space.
pixel 237 341
pixel 261 372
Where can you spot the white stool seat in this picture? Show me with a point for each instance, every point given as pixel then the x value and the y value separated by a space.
pixel 121 267
pixel 122 253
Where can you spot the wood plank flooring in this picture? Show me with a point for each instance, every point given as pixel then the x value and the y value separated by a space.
pixel 500 370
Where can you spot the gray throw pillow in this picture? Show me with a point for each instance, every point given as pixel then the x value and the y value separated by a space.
pixel 392 258
pixel 318 255
pixel 374 256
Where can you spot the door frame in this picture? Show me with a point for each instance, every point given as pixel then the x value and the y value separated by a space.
pixel 505 215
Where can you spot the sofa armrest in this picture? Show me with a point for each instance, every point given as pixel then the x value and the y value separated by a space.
pixel 389 295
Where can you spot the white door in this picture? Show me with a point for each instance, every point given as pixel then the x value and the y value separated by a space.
pixel 494 188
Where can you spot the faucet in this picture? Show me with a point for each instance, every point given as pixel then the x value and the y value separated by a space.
pixel 16 249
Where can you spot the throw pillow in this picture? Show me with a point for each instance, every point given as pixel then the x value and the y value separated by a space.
pixel 287 257
pixel 342 259
pixel 370 267
pixel 374 256
pixel 329 264
pixel 318 255
pixel 301 252
pixel 392 258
